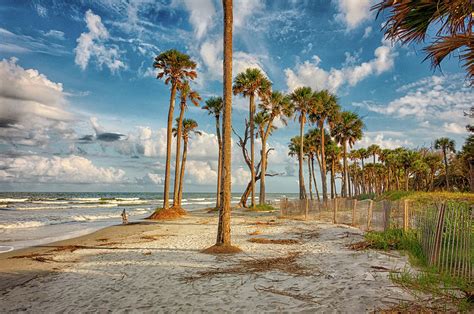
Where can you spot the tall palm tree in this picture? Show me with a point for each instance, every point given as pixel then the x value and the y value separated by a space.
pixel 447 146
pixel 188 127
pixel 174 67
pixel 302 100
pixel 214 106
pixel 363 155
pixel 325 108
pixel 185 94
pixel 313 142
pixel 276 106
pixel 250 83
pixel 223 241
pixel 451 22
pixel 347 130
pixel 433 160
pixel 333 155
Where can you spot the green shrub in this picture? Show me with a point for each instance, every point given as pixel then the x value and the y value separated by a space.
pixel 263 208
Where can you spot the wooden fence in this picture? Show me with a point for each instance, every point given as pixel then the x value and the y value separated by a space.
pixel 445 230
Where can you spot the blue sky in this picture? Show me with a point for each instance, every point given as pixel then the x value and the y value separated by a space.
pixel 81 109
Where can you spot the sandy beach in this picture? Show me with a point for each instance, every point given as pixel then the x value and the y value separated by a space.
pixel 158 267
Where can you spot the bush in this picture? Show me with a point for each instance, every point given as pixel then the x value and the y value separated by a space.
pixel 263 208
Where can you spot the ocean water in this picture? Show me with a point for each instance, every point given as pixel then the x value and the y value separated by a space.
pixel 29 219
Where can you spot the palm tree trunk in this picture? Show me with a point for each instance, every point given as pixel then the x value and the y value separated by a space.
pixel 333 180
pixel 300 161
pixel 181 176
pixel 344 170
pixel 310 179
pixel 323 163
pixel 177 176
pixel 219 163
pixel 314 178
pixel 263 170
pixel 223 230
pixel 446 167
pixel 169 138
pixel 406 179
pixel 252 147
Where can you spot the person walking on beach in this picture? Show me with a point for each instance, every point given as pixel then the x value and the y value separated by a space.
pixel 124 217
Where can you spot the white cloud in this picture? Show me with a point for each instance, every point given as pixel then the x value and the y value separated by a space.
pixel 353 13
pixel 243 9
pixel 151 178
pixel 92 45
pixel 72 169
pixel 435 97
pixel 454 127
pixel 54 34
pixel 201 15
pixel 20 44
pixel 31 106
pixel 380 139
pixel 42 11
pixel 309 73
pixel 367 32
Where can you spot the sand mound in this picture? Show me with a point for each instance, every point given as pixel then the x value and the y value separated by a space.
pixel 222 249
pixel 168 213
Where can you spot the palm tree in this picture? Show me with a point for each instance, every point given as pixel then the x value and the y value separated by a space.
pixel 313 142
pixel 347 130
pixel 374 150
pixel 275 106
pixel 451 22
pixel 447 146
pixel 302 100
pixel 333 155
pixel 433 160
pixel 223 241
pixel 185 94
pixel 363 155
pixel 188 127
pixel 250 83
pixel 175 67
pixel 325 108
pixel 214 107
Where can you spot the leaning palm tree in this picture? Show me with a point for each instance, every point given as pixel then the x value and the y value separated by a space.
pixel 185 94
pixel 276 106
pixel 214 106
pixel 302 100
pixel 347 130
pixel 188 127
pixel 324 110
pixel 451 22
pixel 175 67
pixel 223 241
pixel 447 146
pixel 250 83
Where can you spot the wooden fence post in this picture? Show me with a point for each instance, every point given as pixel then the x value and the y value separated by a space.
pixel 334 218
pixel 354 205
pixel 369 214
pixel 306 204
pixel 434 258
pixel 406 217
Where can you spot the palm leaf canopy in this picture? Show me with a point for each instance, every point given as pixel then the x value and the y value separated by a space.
pixel 252 82
pixel 189 126
pixel 348 128
pixel 445 144
pixel 175 66
pixel 214 106
pixel 302 100
pixel 325 107
pixel 187 93
pixel 451 20
pixel 277 105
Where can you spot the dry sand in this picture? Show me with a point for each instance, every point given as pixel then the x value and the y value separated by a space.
pixel 158 267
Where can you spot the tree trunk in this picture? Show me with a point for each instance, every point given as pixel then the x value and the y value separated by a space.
pixel 166 202
pixel 323 163
pixel 263 170
pixel 310 179
pixel 300 160
pixel 252 147
pixel 181 176
pixel 406 180
pixel 223 231
pixel 314 178
pixel 219 163
pixel 446 168
pixel 344 170
pixel 363 176
pixel 471 174
pixel 177 176
pixel 333 180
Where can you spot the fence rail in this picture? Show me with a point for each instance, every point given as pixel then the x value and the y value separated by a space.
pixel 445 230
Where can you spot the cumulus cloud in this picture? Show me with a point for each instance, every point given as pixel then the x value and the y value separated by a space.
pixel 244 9
pixel 151 178
pixel 454 128
pixel 310 73
pixel 31 106
pixel 353 13
pixel 382 140
pixel 92 45
pixel 71 169
pixel 201 15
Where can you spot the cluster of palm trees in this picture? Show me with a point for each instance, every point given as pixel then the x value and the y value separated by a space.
pixel 373 170
pixel 177 69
